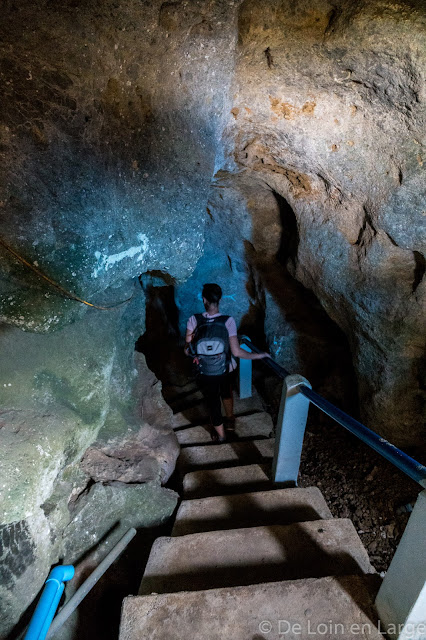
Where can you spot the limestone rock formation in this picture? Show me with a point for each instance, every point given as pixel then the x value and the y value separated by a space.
pixel 100 156
pixel 329 112
pixel 149 454
pixel 99 512
pixel 328 115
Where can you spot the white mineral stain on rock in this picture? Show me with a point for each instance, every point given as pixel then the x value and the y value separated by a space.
pixel 42 452
pixel 106 262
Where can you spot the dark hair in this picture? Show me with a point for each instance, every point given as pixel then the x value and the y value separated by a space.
pixel 212 293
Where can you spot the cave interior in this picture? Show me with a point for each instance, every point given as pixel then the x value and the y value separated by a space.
pixel 146 148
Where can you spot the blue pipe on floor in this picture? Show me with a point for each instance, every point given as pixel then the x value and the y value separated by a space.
pixel 48 603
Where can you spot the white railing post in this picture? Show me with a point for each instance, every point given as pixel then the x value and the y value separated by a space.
pixel 246 375
pixel 401 601
pixel 290 431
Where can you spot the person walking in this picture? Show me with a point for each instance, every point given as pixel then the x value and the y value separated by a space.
pixel 211 339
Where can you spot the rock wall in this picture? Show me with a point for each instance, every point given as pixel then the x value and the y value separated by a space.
pixel 329 112
pixel 110 125
pixel 246 243
pixel 325 140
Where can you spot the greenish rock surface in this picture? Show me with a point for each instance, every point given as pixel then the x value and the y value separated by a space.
pixel 60 393
pixel 113 510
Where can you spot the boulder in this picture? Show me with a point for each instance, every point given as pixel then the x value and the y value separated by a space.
pixel 112 510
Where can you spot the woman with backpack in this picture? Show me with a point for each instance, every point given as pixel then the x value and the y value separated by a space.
pixel 211 339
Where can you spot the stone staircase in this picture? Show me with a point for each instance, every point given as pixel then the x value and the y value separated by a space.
pixel 247 560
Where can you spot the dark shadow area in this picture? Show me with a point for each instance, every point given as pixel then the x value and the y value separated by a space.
pixel 247 514
pixel 306 340
pixel 98 616
pixel 230 454
pixel 160 342
pixel 296 553
pixel 419 270
pixel 205 484
pixel 229 439
pixel 290 233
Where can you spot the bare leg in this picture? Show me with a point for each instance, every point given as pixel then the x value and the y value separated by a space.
pixel 228 405
pixel 220 430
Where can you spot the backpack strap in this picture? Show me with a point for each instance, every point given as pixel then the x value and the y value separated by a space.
pixel 223 320
pixel 199 318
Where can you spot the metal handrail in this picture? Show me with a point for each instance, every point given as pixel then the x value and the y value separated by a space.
pixel 89 583
pixel 279 370
pixel 401 460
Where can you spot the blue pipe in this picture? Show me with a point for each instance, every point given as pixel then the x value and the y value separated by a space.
pixel 411 467
pixel 48 603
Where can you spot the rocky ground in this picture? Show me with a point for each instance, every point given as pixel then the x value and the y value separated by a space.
pixel 361 485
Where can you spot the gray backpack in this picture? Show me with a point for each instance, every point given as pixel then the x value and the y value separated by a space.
pixel 210 345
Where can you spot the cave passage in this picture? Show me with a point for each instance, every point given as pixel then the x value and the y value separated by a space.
pixel 277 312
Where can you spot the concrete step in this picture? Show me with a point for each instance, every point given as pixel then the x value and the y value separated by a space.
pixel 225 455
pixel 241 557
pixel 231 480
pixel 333 608
pixel 254 425
pixel 197 414
pixel 282 506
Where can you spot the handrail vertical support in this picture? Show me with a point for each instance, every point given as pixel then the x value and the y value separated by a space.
pixel 246 375
pixel 290 431
pixel 401 601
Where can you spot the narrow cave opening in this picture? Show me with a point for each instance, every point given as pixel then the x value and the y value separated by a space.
pixel 290 232
pixel 296 328
pixel 161 340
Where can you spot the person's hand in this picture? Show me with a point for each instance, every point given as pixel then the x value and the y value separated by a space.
pixel 260 356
